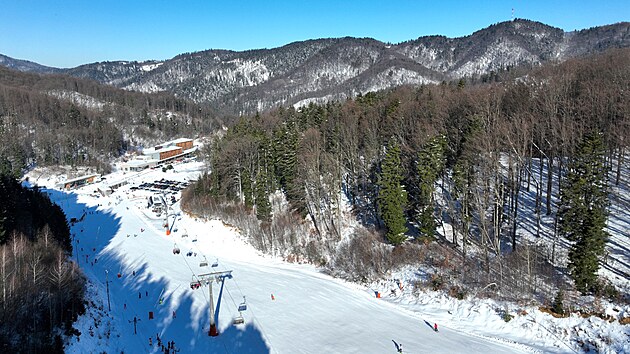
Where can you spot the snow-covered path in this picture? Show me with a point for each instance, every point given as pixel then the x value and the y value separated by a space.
pixel 310 312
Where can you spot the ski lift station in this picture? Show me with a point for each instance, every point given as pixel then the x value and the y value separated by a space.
pixel 79 181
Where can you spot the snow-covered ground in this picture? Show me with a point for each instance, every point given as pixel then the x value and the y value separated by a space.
pixel 123 248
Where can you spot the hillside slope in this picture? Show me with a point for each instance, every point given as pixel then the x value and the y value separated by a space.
pixel 337 68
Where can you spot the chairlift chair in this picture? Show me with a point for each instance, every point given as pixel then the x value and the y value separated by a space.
pixel 238 319
pixel 243 305
pixel 216 263
pixel 195 284
pixel 176 249
pixel 204 262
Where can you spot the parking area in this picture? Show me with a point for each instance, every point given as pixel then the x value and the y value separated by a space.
pixel 162 186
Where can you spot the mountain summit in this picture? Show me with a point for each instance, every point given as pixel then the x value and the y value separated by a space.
pixel 336 68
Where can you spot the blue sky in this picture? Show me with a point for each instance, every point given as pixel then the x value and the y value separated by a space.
pixel 68 33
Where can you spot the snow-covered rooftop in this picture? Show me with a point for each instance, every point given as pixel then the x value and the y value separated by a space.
pixel 161 149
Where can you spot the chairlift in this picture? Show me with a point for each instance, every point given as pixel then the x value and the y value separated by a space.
pixel 242 306
pixel 216 263
pixel 176 249
pixel 204 263
pixel 238 319
pixel 195 284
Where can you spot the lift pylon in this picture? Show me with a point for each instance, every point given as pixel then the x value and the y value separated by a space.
pixel 209 278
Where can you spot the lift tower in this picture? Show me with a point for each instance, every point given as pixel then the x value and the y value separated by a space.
pixel 208 279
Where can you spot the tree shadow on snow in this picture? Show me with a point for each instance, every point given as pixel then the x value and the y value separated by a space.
pixel 140 297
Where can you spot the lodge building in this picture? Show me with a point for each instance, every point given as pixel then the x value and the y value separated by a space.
pixel 161 154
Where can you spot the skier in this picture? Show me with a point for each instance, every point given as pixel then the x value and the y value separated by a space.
pixel 174 314
pixel 139 295
pixel 125 306
pixel 150 341
pixel 435 327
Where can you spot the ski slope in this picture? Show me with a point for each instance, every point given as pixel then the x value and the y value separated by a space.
pixel 290 308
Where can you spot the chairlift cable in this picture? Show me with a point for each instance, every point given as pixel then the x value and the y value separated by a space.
pixel 252 315
pixel 195 276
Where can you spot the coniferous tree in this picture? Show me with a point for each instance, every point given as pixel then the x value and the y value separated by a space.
pixel 286 143
pixel 582 211
pixel 430 164
pixel 263 208
pixel 558 306
pixel 392 197
pixel 248 192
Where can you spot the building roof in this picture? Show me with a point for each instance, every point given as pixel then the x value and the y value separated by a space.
pixel 79 178
pixel 181 140
pixel 162 149
pixel 140 162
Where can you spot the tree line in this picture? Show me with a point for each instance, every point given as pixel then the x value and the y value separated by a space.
pixel 41 290
pixel 55 119
pixel 413 160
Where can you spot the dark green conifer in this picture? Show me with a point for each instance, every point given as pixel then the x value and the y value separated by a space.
pixel 248 191
pixel 392 197
pixel 582 212
pixel 431 160
pixel 558 305
pixel 263 208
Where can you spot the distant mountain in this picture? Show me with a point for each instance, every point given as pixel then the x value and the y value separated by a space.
pixel 26 66
pixel 324 69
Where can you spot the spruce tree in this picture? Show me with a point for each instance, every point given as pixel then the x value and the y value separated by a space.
pixel 392 197
pixel 558 305
pixel 286 141
pixel 247 188
pixel 263 208
pixel 582 212
pixel 431 162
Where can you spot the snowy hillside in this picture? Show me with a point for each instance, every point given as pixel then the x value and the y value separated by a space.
pixel 122 246
pixel 336 68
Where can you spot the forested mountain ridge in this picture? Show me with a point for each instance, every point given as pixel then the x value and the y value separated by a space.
pixel 26 66
pixel 59 119
pixel 472 167
pixel 337 68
